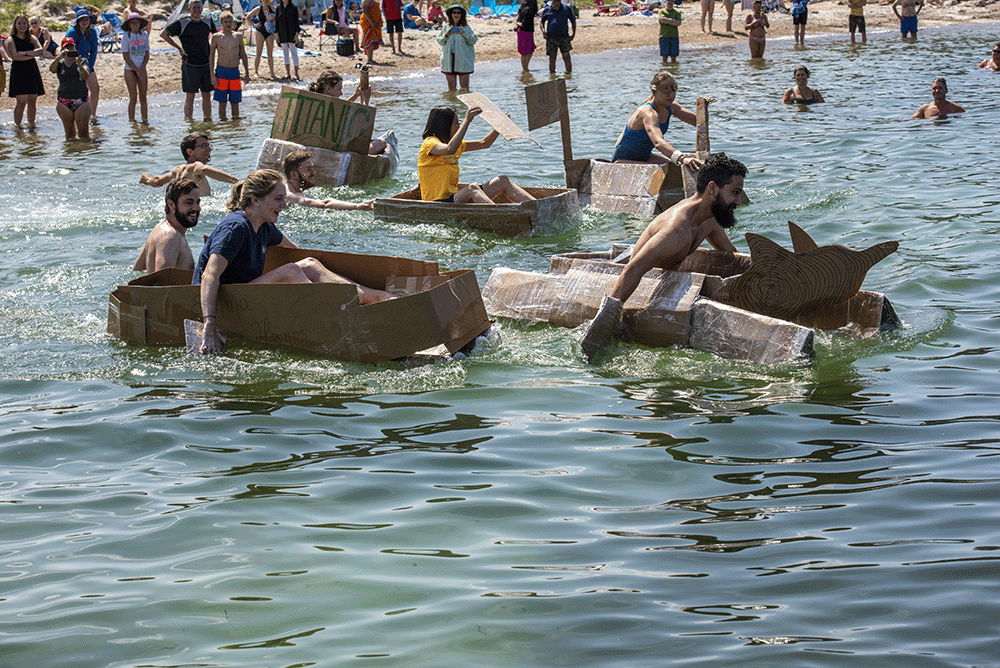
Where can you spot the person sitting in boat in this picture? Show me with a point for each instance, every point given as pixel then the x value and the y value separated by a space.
pixel 671 237
pixel 437 163
pixel 645 128
pixel 197 151
pixel 167 246
pixel 234 252
pixel 331 84
pixel 300 174
pixel 801 93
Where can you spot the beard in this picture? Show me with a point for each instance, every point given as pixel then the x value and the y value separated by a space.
pixel 306 182
pixel 724 215
pixel 189 219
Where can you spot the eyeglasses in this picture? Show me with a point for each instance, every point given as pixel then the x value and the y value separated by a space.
pixel 204 144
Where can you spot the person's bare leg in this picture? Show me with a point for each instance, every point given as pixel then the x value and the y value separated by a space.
pixel 463 81
pixel 206 105
pixel 568 62
pixel 236 110
pixel 82 117
pixel 94 86
pixel 452 81
pixel 552 64
pixel 503 184
pixel 472 194
pixel 66 116
pixel 315 272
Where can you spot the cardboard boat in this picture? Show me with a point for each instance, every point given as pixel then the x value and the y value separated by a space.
pixel 509 219
pixel 643 189
pixel 676 307
pixel 335 168
pixel 436 312
pixel 337 133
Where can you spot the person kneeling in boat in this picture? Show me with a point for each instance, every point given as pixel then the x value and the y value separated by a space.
pixel 437 164
pixel 671 237
pixel 645 128
pixel 300 174
pixel 331 84
pixel 167 246
pixel 234 252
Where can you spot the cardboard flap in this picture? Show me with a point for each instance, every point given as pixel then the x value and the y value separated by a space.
pixel 493 115
pixel 126 321
pixel 369 270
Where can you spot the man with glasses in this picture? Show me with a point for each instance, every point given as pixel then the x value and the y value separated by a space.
pixel 939 107
pixel 994 62
pixel 197 151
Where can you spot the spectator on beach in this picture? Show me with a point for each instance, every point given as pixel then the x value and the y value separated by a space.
pixel 458 51
pixel 226 50
pixel 3 60
pixel 707 10
pixel 234 252
pixel 43 36
pixel 135 53
pixel 437 163
pixel 554 21
pixel 393 12
pixel 286 20
pixel 88 43
pixel 671 237
pixel 412 20
pixel 856 20
pixel 72 103
pixel 800 14
pixel 300 174
pixel 132 7
pixel 306 10
pixel 25 78
pixel 939 107
pixel 338 22
pixel 193 31
pixel 197 151
pixel 645 127
pixel 756 26
pixel 801 93
pixel 992 63
pixel 670 22
pixel 435 15
pixel 906 11
pixel 166 246
pixel 371 29
pixel 262 18
pixel 525 29
pixel 730 6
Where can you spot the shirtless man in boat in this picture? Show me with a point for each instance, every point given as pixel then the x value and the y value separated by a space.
pixel 671 237
pixel 167 246
pixel 197 151
pixel 939 107
pixel 300 173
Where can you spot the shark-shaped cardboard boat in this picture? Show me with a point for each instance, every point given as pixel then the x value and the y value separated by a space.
pixel 685 307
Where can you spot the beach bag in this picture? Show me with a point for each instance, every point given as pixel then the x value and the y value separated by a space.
pixel 345 47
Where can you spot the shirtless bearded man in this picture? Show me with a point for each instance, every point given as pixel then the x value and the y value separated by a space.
pixel 671 237
pixel 167 245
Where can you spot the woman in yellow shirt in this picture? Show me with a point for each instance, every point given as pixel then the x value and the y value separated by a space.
pixel 437 164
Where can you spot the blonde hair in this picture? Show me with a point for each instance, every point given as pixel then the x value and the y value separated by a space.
pixel 657 79
pixel 258 184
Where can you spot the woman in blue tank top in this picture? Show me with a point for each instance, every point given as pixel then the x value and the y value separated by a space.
pixel 645 128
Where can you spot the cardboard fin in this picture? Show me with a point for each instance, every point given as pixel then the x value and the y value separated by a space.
pixel 801 241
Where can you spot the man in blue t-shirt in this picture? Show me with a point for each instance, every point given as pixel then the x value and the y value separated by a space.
pixel 194 32
pixel 555 20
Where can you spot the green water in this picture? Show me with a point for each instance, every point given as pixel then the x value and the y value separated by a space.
pixel 520 508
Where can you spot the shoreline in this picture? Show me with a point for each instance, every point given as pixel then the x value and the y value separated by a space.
pixel 496 42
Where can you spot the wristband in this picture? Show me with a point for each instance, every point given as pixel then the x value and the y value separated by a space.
pixel 208 316
pixel 675 157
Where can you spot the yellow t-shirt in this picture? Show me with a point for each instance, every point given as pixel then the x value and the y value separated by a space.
pixel 438 174
pixel 857 9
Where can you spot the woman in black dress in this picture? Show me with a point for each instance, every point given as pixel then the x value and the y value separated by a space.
pixel 25 79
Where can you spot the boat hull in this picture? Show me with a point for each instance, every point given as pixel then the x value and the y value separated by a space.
pixel 617 187
pixel 334 168
pixel 508 219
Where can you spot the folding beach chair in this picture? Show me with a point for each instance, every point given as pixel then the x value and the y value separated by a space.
pixel 112 42
pixel 327 32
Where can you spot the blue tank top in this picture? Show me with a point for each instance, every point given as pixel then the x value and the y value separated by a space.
pixel 635 144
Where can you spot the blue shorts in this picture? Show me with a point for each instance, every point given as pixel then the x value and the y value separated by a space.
pixel 908 24
pixel 230 87
pixel 670 47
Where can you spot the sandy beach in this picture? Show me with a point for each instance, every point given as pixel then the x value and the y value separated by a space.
pixel 497 42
